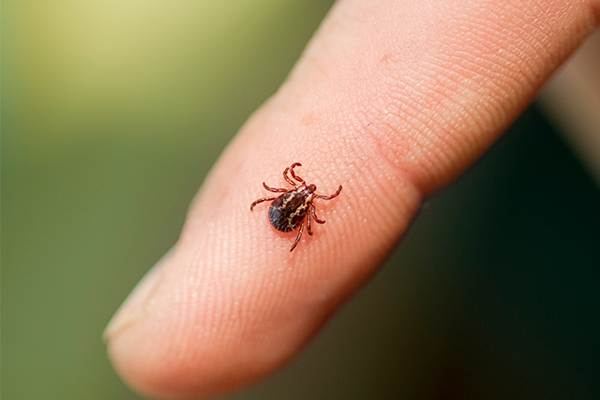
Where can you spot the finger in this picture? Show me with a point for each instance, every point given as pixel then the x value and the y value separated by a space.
pixel 390 100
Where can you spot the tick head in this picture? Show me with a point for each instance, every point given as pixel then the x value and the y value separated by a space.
pixel 312 188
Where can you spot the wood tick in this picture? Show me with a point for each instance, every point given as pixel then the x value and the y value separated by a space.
pixel 295 205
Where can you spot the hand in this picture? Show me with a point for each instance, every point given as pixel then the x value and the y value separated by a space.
pixel 391 100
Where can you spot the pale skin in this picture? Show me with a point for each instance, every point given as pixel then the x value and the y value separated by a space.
pixel 392 100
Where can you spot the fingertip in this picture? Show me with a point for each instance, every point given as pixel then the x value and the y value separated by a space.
pixel 132 308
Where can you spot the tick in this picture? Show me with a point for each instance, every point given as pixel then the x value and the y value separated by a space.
pixel 294 206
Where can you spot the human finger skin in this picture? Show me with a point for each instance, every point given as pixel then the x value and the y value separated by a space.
pixel 391 99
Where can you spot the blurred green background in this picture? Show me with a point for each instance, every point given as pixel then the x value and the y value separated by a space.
pixel 112 114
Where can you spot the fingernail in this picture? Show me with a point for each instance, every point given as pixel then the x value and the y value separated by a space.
pixel 132 308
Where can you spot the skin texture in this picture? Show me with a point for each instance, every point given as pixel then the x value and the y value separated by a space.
pixel 391 99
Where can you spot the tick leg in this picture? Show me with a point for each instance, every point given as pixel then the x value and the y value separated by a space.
pixel 296 177
pixel 255 202
pixel 275 190
pixel 313 212
pixel 297 237
pixel 308 224
pixel 287 178
pixel 330 196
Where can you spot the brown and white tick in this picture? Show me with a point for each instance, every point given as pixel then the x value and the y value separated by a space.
pixel 291 208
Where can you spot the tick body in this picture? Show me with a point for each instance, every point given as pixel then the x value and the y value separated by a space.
pixel 295 206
